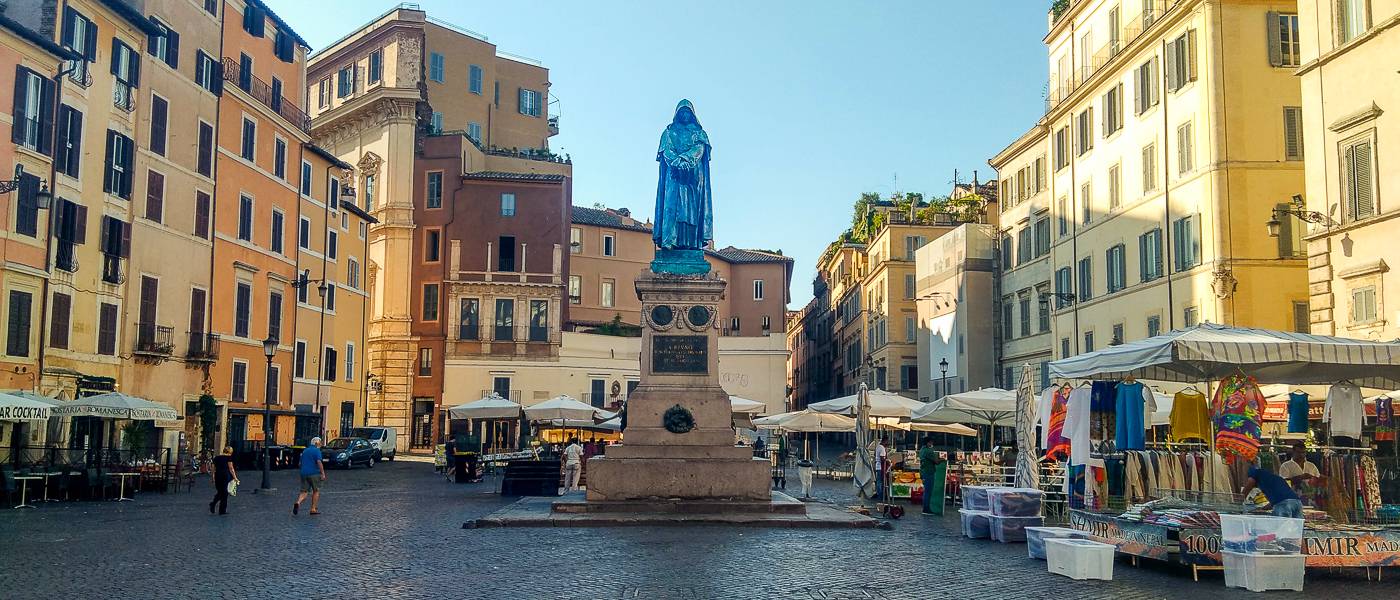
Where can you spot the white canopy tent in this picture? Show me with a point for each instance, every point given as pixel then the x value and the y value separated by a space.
pixel 807 421
pixel 745 406
pixel 1210 352
pixel 564 407
pixel 987 406
pixel 491 406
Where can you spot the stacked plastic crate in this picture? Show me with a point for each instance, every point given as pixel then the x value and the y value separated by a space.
pixel 1013 510
pixel 1262 553
pixel 976 511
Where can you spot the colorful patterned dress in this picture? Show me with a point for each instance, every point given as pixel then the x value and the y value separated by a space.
pixel 1238 409
pixel 1056 444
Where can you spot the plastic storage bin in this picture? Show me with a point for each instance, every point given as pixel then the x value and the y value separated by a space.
pixel 1012 529
pixel 1015 502
pixel 1080 559
pixel 1265 535
pixel 976 524
pixel 1037 536
pixel 1258 572
pixel 975 497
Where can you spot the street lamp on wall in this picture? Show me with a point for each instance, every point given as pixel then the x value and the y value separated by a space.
pixel 943 381
pixel 1297 209
pixel 42 199
pixel 1064 297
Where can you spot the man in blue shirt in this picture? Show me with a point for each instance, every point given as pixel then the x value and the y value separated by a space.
pixel 312 474
pixel 1275 488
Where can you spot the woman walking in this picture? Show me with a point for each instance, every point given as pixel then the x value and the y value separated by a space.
pixel 223 474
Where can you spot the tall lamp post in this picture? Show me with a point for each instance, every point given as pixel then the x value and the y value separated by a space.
pixel 943 381
pixel 269 349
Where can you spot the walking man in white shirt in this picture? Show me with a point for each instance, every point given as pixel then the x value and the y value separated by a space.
pixel 573 459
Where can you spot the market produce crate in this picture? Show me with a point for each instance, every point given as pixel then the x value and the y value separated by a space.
pixel 976 524
pixel 1080 559
pixel 1012 529
pixel 1258 572
pixel 975 497
pixel 1261 534
pixel 1037 536
pixel 1015 502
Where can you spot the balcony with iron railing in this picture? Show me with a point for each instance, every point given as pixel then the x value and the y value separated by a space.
pixel 123 96
pixel 112 269
pixel 66 256
pixel 512 395
pixel 154 340
pixel 1061 86
pixel 204 347
pixel 262 92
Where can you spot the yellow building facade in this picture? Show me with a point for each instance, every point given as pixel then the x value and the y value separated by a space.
pixel 1022 319
pixel 1170 144
pixel 1350 96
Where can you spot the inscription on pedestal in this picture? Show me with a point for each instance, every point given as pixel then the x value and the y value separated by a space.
pixel 680 354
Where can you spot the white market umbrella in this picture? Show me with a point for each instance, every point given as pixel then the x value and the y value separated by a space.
pixel 879 403
pixel 745 406
pixel 807 421
pixel 948 428
pixel 14 407
pixel 863 473
pixel 1210 352
pixel 492 406
pixel 115 405
pixel 562 407
pixel 987 406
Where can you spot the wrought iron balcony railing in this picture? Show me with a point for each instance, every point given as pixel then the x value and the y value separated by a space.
pixel 152 339
pixel 204 347
pixel 262 92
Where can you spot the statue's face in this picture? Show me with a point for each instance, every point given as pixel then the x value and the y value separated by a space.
pixel 686 117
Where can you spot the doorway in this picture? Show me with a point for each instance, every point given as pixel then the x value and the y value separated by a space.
pixel 422 434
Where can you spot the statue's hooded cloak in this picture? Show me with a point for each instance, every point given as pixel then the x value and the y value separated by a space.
pixel 683 207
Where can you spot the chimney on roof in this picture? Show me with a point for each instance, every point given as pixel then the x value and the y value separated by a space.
pixel 624 212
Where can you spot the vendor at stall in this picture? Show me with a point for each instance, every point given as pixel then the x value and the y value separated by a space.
pixel 1285 503
pixel 933 471
pixel 1298 470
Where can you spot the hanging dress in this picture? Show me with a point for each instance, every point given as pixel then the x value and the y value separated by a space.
pixel 1238 409
pixel 1056 444
pixel 1190 419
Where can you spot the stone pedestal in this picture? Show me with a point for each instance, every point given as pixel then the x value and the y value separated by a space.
pixel 679 387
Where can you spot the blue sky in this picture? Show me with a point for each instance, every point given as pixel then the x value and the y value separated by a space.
pixel 808 104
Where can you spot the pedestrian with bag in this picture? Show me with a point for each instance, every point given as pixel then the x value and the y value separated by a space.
pixel 225 477
pixel 313 473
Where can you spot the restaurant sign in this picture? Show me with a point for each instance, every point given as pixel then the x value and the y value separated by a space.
pixel 1139 539
pixel 1323 548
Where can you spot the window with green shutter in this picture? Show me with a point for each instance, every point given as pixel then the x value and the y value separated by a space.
pixel 1358 178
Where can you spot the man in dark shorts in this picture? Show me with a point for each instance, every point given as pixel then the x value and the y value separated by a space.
pixel 312 474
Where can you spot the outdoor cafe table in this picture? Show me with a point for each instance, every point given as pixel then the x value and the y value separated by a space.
pixel 46 477
pixel 24 489
pixel 121 491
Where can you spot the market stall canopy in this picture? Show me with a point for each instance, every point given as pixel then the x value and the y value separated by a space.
pixel 948 428
pixel 115 405
pixel 746 406
pixel 562 407
pixel 1210 352
pixel 807 421
pixel 987 406
pixel 492 406
pixel 612 425
pixel 14 407
pixel 881 404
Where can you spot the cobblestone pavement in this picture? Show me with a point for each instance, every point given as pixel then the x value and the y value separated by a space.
pixel 395 532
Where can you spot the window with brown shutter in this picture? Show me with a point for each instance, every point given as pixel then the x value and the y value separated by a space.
pixel 150 290
pixel 20 315
pixel 155 196
pixel 197 303
pixel 205 164
pixel 201 214
pixel 59 322
pixel 107 329
pixel 159 108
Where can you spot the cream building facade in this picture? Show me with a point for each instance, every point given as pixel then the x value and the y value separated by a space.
pixel 956 279
pixel 1172 139
pixel 1023 295
pixel 1350 98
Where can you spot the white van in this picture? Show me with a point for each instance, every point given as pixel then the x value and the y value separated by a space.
pixel 384 440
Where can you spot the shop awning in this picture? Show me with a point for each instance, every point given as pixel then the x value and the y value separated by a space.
pixel 1209 352
pixel 116 405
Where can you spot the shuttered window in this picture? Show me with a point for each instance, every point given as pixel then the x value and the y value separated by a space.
pixel 1293 133
pixel 1181 60
pixel 1086 279
pixel 197 303
pixel 274 315
pixel 1186 242
pixel 19 315
pixel 67 158
pixel 205 163
pixel 1358 179
pixel 1150 255
pixel 1146 88
pixel 437 66
pixel 155 196
pixel 1149 168
pixel 33 111
pixel 1185 149
pixel 238 391
pixel 27 205
pixel 201 214
pixel 1285 47
pixel 1115 187
pixel 242 306
pixel 117 175
pixel 245 218
pixel 107 329
pixel 150 294
pixel 1117 275
pixel 1363 304
pixel 159 116
pixel 59 320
